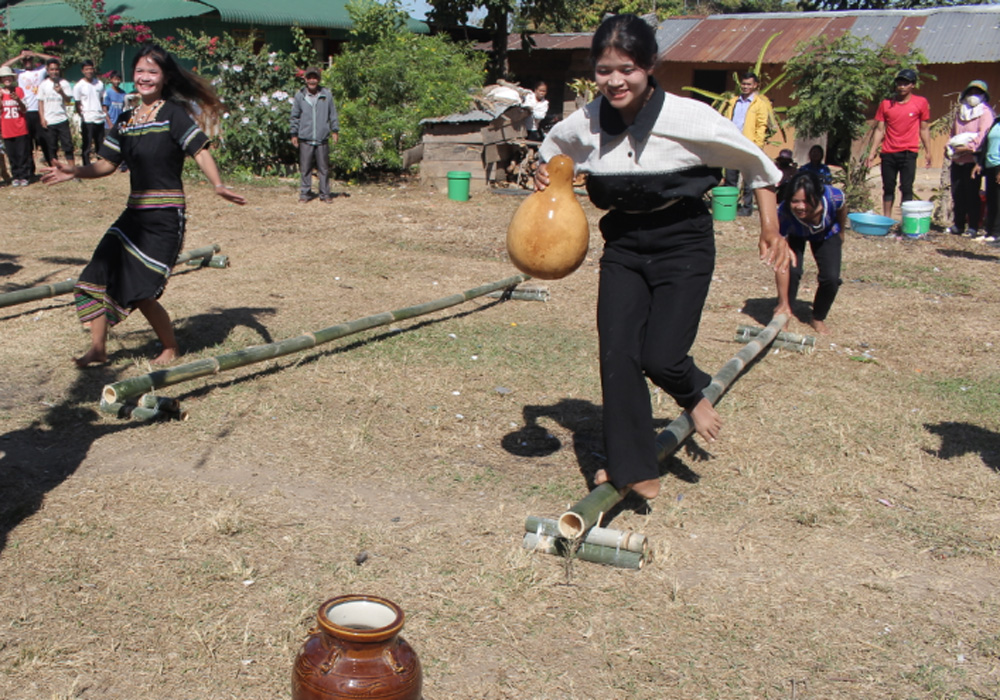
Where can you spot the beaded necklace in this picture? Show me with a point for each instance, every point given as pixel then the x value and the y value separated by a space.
pixel 139 118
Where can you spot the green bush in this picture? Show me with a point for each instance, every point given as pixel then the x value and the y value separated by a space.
pixel 389 79
pixel 257 89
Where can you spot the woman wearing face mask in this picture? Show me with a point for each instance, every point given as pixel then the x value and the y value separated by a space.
pixel 650 158
pixel 973 117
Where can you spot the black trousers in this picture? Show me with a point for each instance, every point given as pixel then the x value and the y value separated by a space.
pixel 92 134
pixel 19 155
pixel 904 166
pixel 732 179
pixel 966 205
pixel 992 223
pixel 827 255
pixel 60 135
pixel 38 139
pixel 655 274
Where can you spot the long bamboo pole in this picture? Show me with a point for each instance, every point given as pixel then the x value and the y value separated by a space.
pixel 128 388
pixel 606 537
pixel 596 553
pixel 45 291
pixel 588 512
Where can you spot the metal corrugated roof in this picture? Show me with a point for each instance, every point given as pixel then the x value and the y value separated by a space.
pixel 50 14
pixel 960 37
pixel 969 34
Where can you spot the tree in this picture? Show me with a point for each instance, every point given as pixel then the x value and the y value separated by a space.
pixel 387 80
pixel 501 17
pixel 836 82
pixel 101 31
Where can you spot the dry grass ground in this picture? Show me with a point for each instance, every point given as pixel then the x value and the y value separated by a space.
pixel 841 541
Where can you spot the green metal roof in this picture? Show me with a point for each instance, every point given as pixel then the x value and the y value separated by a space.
pixel 52 14
pixel 328 14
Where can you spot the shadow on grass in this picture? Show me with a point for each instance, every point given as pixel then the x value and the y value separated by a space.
pixel 38 458
pixel 958 439
pixel 980 257
pixel 583 420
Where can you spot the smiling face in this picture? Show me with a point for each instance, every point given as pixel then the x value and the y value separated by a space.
pixel 88 72
pixel 149 79
pixel 623 83
pixel 802 208
pixel 748 86
pixel 53 71
pixel 541 90
pixel 8 82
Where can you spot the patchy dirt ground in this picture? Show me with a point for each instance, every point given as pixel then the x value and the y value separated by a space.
pixel 841 541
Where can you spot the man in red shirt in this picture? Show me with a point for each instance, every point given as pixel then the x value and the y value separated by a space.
pixel 901 125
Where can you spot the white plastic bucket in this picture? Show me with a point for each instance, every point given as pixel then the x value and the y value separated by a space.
pixel 917 218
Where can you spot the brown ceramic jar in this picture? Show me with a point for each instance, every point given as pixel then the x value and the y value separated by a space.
pixel 355 651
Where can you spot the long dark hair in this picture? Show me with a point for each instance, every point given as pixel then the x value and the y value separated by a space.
pixel 629 34
pixel 809 183
pixel 181 84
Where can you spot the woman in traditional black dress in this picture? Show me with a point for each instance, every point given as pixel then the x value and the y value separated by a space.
pixel 131 265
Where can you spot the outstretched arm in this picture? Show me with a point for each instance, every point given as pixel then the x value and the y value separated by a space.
pixel 63 171
pixel 207 164
pixel 774 250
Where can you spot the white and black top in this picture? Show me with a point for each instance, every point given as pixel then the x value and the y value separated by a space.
pixel 674 149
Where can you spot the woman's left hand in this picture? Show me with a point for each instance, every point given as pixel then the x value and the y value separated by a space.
pixel 230 196
pixel 61 171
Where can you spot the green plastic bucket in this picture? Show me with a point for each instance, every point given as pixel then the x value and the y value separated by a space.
pixel 917 218
pixel 458 185
pixel 724 200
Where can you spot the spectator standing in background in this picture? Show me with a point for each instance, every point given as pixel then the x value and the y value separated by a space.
pixel 314 123
pixel 817 166
pixel 53 96
pixel 88 93
pixel 974 117
pixel 14 127
pixel 539 106
pixel 901 126
pixel 750 111
pixel 29 79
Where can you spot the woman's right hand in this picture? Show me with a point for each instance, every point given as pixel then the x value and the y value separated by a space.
pixel 541 177
pixel 60 172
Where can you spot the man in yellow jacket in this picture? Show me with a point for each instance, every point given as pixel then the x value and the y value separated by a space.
pixel 751 112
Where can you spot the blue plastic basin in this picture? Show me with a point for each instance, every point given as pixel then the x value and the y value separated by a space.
pixel 871 224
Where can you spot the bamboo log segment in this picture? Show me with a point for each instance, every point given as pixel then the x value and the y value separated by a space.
pixel 120 392
pixel 220 262
pixel 596 553
pixel 589 511
pixel 784 340
pixel 603 536
pixel 46 291
pixel 522 295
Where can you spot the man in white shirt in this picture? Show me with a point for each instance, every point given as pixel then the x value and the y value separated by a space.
pixel 53 96
pixel 29 79
pixel 88 94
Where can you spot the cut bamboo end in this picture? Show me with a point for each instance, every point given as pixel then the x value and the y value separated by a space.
pixel 606 537
pixel 571 525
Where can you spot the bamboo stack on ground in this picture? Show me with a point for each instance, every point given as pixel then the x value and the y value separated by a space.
pixel 595 553
pixel 588 512
pixel 46 291
pixel 784 340
pixel 118 393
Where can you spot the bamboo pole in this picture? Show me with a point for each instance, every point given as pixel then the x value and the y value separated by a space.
pixel 522 295
pixel 217 261
pixel 589 511
pixel 46 291
pixel 128 388
pixel 605 537
pixel 794 338
pixel 596 553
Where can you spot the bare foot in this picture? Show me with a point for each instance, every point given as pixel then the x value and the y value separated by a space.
pixel 707 422
pixel 648 489
pixel 600 477
pixel 91 357
pixel 783 309
pixel 820 327
pixel 166 357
